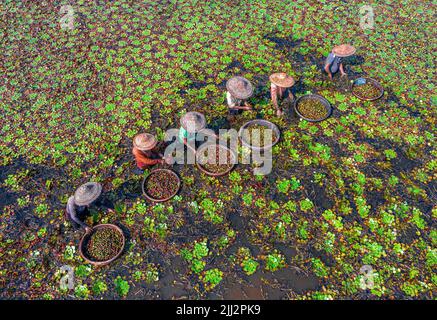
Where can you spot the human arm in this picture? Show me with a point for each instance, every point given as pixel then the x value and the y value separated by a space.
pixel 274 91
pixel 343 73
pixel 234 104
pixel 274 94
pixel 71 213
pixel 328 70
pixel 245 107
pixel 143 160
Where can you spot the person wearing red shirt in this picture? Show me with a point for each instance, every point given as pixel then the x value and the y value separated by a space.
pixel 145 152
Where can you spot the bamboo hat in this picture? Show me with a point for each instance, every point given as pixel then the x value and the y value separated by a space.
pixel 87 193
pixel 239 87
pixel 282 80
pixel 344 50
pixel 144 141
pixel 193 121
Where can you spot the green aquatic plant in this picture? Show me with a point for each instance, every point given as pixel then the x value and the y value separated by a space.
pixel 431 258
pixel 69 252
pixel 247 198
pixel 121 286
pixel 99 287
pixel 81 291
pixel 390 154
pixel 151 274
pixel 211 210
pixel 286 185
pixel 196 255
pixel 275 261
pixel 306 204
pixel 319 268
pixel 249 266
pixel 211 278
pixel 83 271
pixel 283 185
pixel 200 250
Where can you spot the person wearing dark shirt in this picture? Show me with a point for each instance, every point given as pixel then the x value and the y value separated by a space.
pixel 334 61
pixel 84 196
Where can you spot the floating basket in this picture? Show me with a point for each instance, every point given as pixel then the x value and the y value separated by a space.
pixel 325 103
pixel 263 123
pixel 86 237
pixel 375 83
pixel 151 198
pixel 201 151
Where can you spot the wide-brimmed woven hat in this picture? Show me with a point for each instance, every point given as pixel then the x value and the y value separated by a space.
pixel 145 141
pixel 282 79
pixel 344 50
pixel 87 193
pixel 193 121
pixel 239 87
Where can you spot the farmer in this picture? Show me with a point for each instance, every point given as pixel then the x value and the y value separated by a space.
pixel 144 151
pixel 239 90
pixel 334 61
pixel 280 89
pixel 84 196
pixel 191 124
pixel 192 130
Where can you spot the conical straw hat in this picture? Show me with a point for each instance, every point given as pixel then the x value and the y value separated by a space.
pixel 144 141
pixel 240 87
pixel 344 50
pixel 282 80
pixel 87 193
pixel 193 121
